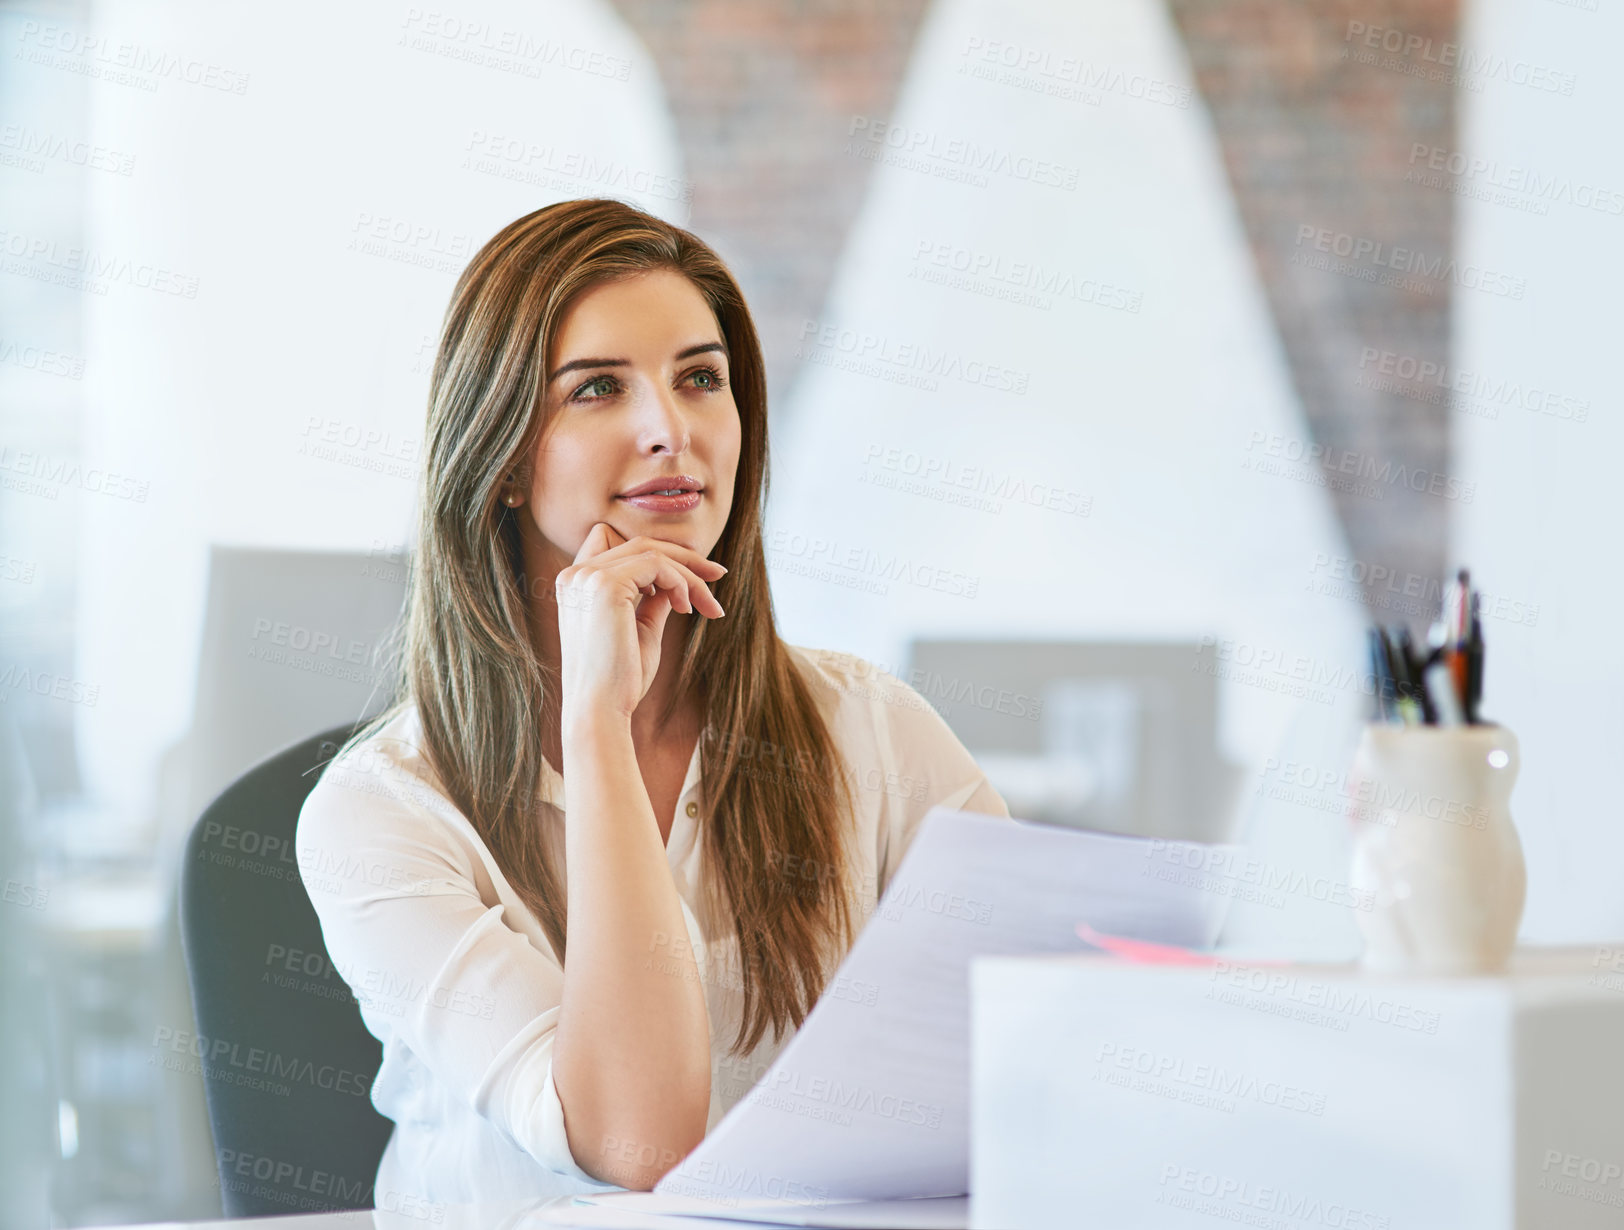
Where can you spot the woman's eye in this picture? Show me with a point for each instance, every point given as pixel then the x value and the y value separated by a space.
pixel 605 383
pixel 707 380
pixel 712 379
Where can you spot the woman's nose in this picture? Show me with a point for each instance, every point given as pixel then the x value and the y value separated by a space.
pixel 666 423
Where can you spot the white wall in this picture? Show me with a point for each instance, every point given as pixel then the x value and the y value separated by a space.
pixel 259 197
pixel 1540 534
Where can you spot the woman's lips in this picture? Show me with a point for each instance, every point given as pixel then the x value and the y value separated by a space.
pixel 686 502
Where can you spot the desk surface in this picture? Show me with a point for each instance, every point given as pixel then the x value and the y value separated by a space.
pixel 542 1214
pixel 1528 963
pixel 493 1216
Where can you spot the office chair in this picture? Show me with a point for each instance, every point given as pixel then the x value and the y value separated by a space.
pixel 287 1063
pixel 293 641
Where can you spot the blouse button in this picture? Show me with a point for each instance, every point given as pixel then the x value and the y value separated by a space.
pixel 693 810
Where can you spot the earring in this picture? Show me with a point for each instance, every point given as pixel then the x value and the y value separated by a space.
pixel 512 498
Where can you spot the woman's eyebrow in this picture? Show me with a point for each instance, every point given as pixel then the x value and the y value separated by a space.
pixel 574 364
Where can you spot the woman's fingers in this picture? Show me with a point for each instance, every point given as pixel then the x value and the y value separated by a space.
pixel 687 591
pixel 653 564
pixel 651 613
pixel 669 583
pixel 646 577
pixel 603 539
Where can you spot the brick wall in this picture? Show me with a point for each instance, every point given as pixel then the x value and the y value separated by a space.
pixel 1316 142
pixel 763 92
pixel 1313 137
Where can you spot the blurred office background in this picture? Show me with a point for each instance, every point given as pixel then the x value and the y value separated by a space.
pixel 1126 359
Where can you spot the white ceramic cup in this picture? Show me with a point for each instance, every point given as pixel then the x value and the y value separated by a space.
pixel 1435 856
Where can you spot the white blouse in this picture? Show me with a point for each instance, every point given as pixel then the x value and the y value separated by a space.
pixel 458 981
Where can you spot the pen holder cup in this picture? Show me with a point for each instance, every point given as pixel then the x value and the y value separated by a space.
pixel 1438 870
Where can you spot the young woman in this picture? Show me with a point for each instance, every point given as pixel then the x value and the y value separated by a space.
pixel 589 607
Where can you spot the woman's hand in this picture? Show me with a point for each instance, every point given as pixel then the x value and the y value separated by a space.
pixel 612 606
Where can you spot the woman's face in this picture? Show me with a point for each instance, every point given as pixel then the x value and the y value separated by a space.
pixel 638 388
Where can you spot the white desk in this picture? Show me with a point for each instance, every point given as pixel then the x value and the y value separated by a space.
pixel 1114 1095
pixel 493 1216
pixel 556 1213
pixel 443 1217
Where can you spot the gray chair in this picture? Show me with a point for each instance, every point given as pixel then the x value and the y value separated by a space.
pixel 287 1063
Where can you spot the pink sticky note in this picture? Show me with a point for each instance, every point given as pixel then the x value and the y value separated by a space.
pixel 1143 952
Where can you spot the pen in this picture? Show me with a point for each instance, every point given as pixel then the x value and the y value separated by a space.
pixel 1458 635
pixel 1381 676
pixel 1414 664
pixel 1405 684
pixel 1474 664
pixel 1439 683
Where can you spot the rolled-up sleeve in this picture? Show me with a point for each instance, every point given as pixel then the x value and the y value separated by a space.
pixel 434 967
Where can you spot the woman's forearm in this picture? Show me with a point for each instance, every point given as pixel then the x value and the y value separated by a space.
pixel 631 1057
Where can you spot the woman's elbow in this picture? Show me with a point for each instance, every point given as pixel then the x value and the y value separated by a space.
pixel 638 1158
pixel 629 1124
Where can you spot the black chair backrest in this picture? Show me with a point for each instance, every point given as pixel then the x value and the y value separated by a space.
pixel 287 1063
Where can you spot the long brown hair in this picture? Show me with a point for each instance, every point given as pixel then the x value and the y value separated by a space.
pixel 777 798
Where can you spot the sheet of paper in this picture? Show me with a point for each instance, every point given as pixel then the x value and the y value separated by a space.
pixel 601 1217
pixel 942 1213
pixel 870 1099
